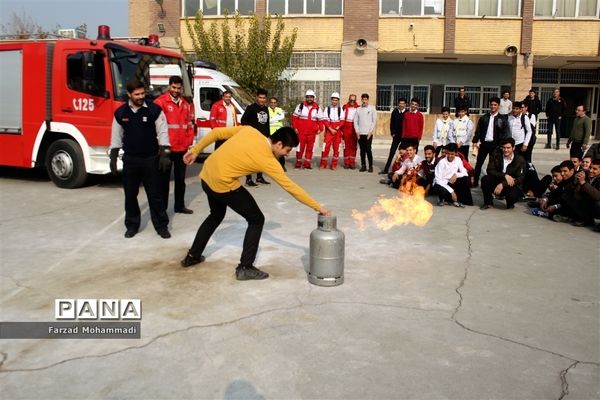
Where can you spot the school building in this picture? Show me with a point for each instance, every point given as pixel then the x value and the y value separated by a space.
pixel 418 48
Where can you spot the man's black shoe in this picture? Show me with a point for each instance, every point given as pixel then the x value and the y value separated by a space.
pixel 383 172
pixel 185 211
pixel 370 169
pixel 249 273
pixel 548 146
pixel 346 166
pixel 130 233
pixel 164 233
pixel 510 207
pixel 485 206
pixel 190 260
pixel 263 181
pixel 251 183
pixel 363 169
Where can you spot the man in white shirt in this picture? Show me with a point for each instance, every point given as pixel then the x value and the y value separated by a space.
pixel 452 179
pixel 462 132
pixel 519 127
pixel 505 103
pixel 442 131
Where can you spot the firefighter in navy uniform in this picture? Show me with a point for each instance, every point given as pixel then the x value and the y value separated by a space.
pixel 141 130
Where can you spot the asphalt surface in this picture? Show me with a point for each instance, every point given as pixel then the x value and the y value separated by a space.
pixel 494 304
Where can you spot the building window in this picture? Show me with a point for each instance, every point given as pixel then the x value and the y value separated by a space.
pixel 489 8
pixel 478 95
pixel 389 95
pixel 316 60
pixel 292 92
pixel 411 7
pixel 567 8
pixel 301 7
pixel 217 7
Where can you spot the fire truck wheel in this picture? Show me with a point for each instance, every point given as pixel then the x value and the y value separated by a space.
pixel 65 165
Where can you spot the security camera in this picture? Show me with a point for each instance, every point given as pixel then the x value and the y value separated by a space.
pixel 411 25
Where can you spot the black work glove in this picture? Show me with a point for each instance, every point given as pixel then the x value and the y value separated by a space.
pixel 164 159
pixel 114 154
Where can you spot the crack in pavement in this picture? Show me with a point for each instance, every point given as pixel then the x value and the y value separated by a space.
pixel 564 384
pixel 150 342
pixel 563 373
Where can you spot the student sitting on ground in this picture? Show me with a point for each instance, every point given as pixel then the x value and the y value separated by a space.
pixel 428 167
pixel 400 157
pixel 583 205
pixel 559 213
pixel 452 183
pixel 410 166
pixel 545 206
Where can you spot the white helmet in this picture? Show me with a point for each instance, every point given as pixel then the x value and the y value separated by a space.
pixel 310 92
pixel 335 95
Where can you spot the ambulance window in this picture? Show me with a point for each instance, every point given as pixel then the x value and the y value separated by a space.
pixel 85 72
pixel 209 96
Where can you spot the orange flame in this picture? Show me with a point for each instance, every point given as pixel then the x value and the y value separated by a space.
pixel 407 207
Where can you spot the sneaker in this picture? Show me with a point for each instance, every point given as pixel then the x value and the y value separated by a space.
pixel 130 233
pixel 441 203
pixel 538 212
pixel 385 181
pixel 382 172
pixel 164 233
pixel 458 204
pixel 251 183
pixel 346 166
pixel 249 273
pixel 263 181
pixel 184 211
pixel 190 260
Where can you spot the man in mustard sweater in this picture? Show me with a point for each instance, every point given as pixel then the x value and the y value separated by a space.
pixel 246 151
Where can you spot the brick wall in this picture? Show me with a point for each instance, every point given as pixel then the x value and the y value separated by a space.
pixel 449 26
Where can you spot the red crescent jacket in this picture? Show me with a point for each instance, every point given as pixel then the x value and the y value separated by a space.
pixel 306 118
pixel 218 115
pixel 348 117
pixel 332 117
pixel 180 119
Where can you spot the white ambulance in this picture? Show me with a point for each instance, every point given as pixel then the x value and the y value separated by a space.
pixel 209 85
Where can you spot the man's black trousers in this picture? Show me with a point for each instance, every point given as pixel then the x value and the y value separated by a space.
pixel 179 168
pixel 144 170
pixel 240 201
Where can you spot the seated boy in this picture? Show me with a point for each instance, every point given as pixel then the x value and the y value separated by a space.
pixel 452 179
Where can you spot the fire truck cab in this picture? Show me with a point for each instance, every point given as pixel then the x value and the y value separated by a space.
pixel 60 96
pixel 209 85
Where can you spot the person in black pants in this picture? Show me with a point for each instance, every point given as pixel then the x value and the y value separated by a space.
pixel 491 128
pixel 257 116
pixel 141 129
pixel 504 177
pixel 555 110
pixel 396 132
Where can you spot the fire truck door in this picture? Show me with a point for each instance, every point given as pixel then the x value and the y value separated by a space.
pixel 84 99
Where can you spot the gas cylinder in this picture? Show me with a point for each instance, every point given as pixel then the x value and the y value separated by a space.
pixel 326 266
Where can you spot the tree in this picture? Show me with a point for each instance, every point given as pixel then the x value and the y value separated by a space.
pixel 23 26
pixel 253 55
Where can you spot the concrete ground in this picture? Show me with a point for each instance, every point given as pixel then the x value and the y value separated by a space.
pixel 491 304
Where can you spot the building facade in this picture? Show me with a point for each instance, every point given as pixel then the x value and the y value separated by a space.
pixel 419 48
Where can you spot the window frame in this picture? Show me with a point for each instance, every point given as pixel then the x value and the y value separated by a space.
pixel 482 107
pixel 304 9
pixel 498 11
pixel 394 102
pixel 422 14
pixel 577 4
pixel 200 7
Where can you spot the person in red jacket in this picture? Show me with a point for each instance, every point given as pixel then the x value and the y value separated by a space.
pixel 348 132
pixel 180 117
pixel 222 114
pixel 412 125
pixel 331 121
pixel 305 122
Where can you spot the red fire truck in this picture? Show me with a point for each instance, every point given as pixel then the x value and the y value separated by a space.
pixel 59 96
